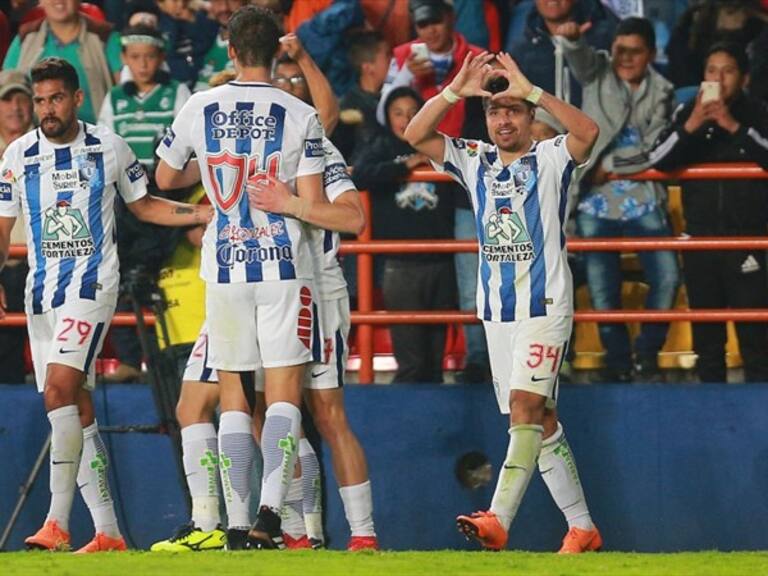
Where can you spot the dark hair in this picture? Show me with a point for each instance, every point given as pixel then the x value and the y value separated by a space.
pixel 284 58
pixel 400 92
pixel 55 69
pixel 639 27
pixel 136 6
pixel 494 86
pixel 735 51
pixel 363 47
pixel 143 30
pixel 254 36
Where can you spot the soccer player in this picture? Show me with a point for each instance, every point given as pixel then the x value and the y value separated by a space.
pixel 518 189
pixel 260 301
pixel 64 177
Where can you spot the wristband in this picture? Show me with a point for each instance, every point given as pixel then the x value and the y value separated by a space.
pixel 297 207
pixel 534 95
pixel 450 96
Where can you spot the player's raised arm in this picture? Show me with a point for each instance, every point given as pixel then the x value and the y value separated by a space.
pixel 582 130
pixel 421 132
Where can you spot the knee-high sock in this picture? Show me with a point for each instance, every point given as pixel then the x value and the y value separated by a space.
pixel 312 487
pixel 524 447
pixel 93 480
pixel 279 447
pixel 66 446
pixel 358 508
pixel 201 467
pixel 558 469
pixel 291 515
pixel 236 451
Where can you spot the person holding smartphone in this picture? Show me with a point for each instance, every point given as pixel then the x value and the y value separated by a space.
pixel 723 124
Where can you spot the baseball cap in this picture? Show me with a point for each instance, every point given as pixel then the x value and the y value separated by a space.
pixel 12 80
pixel 423 10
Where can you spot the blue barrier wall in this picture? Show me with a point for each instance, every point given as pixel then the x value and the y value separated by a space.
pixel 665 468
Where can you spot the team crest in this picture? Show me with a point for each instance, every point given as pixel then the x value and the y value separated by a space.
pixel 227 173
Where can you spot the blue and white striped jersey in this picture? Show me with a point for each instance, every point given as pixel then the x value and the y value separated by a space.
pixel 67 195
pixel 329 277
pixel 238 130
pixel 520 213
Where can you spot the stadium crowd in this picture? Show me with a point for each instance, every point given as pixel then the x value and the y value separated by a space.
pixel 667 83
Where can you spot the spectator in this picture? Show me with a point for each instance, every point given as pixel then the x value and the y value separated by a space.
pixel 538 52
pixel 369 56
pixel 217 58
pixel 409 210
pixel 730 127
pixel 703 25
pixel 189 33
pixel 15 121
pixel 91 47
pixel 631 103
pixel 391 18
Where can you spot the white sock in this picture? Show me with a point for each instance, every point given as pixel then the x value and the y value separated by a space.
pixel 201 467
pixel 93 480
pixel 524 447
pixel 558 469
pixel 312 504
pixel 279 447
pixel 236 452
pixel 358 507
pixel 66 446
pixel 291 514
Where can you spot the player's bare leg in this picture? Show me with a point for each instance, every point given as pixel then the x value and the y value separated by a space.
pixel 349 464
pixel 279 446
pixel 236 454
pixel 558 470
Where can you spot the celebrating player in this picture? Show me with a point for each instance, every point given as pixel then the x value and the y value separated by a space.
pixel 518 189
pixel 63 176
pixel 260 302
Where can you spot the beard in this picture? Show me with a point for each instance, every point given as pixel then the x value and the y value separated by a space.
pixel 54 127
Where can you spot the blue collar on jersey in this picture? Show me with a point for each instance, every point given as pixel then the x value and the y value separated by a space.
pixel 494 158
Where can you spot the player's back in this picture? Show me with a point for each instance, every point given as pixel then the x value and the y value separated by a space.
pixel 238 130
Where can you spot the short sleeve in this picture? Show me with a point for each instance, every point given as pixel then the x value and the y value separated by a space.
pixel 556 149
pixel 312 159
pixel 457 159
pixel 176 147
pixel 114 50
pixel 131 175
pixel 10 190
pixel 336 179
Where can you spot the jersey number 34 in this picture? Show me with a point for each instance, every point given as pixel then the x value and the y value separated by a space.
pixel 228 174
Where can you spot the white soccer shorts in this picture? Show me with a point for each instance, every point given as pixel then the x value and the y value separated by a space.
pixel 72 335
pixel 527 355
pixel 270 324
pixel 198 368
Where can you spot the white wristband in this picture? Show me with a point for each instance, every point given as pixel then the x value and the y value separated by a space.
pixel 450 96
pixel 534 95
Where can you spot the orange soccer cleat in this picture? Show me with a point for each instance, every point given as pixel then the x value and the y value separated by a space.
pixel 357 543
pixel 577 541
pixel 49 537
pixel 485 528
pixel 103 543
pixel 302 542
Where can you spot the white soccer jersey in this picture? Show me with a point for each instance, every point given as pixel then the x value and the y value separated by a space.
pixel 520 213
pixel 67 195
pixel 238 130
pixel 329 277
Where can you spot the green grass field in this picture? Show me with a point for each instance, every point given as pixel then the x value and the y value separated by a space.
pixel 444 563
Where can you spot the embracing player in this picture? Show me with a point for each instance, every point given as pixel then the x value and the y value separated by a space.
pixel 260 298
pixel 64 177
pixel 519 192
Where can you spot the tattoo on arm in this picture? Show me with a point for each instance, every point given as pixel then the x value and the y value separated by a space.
pixel 184 210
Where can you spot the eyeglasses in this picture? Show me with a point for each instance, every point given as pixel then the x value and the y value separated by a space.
pixel 292 81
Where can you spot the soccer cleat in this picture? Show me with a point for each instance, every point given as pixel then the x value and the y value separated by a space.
pixel 190 538
pixel 300 543
pixel 316 543
pixel 485 528
pixel 237 539
pixel 577 541
pixel 265 534
pixel 357 543
pixel 103 543
pixel 49 537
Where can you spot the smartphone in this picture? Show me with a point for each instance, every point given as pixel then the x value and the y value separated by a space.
pixel 710 91
pixel 420 51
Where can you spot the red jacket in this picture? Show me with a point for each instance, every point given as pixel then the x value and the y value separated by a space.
pixel 454 119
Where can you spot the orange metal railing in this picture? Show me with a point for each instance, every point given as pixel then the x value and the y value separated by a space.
pixel 365 317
